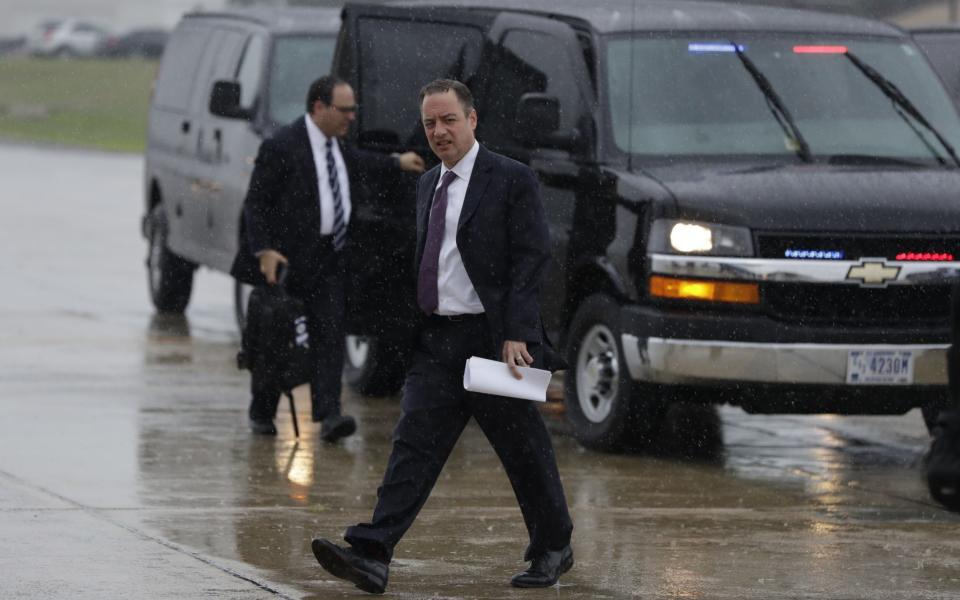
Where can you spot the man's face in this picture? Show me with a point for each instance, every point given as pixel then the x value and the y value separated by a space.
pixel 334 119
pixel 449 129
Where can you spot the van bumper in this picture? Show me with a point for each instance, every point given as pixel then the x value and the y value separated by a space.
pixel 685 361
pixel 697 348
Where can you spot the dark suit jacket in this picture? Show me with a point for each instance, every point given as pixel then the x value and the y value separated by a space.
pixel 504 242
pixel 282 207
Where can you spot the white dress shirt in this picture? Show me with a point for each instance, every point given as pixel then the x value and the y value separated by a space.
pixel 318 144
pixel 456 294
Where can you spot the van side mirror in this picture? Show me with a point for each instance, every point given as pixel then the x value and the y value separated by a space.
pixel 538 123
pixel 225 100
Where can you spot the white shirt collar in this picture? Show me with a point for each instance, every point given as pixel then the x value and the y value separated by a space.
pixel 463 168
pixel 313 132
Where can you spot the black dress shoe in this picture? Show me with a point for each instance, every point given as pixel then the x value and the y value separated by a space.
pixel 368 574
pixel 337 426
pixel 545 570
pixel 262 427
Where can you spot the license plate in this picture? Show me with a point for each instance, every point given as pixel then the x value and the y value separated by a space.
pixel 880 367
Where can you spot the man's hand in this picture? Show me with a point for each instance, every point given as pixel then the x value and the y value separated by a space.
pixel 515 355
pixel 411 161
pixel 269 261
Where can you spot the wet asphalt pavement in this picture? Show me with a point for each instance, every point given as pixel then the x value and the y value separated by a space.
pixel 127 471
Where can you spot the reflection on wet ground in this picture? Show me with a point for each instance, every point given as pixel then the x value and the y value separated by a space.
pixel 788 507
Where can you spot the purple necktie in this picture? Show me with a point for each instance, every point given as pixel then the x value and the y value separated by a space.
pixel 427 296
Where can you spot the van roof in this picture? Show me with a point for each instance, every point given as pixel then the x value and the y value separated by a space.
pixel 614 16
pixel 279 19
pixel 947 28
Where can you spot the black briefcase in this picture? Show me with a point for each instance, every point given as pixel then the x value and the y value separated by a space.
pixel 275 343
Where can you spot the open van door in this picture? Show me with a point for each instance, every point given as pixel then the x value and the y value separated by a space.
pixel 387 54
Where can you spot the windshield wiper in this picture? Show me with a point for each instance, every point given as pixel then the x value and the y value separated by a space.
pixel 904 105
pixel 776 105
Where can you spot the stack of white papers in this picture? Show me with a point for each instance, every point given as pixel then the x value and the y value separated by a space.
pixel 493 377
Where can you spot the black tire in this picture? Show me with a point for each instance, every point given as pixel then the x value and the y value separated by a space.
pixel 241 296
pixel 930 413
pixel 373 367
pixel 691 431
pixel 169 277
pixel 607 409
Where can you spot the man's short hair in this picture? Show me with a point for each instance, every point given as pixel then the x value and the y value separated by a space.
pixel 442 86
pixel 322 90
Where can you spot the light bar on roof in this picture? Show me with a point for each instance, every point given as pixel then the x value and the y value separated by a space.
pixel 819 49
pixel 713 47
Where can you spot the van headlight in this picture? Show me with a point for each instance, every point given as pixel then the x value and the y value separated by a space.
pixel 672 236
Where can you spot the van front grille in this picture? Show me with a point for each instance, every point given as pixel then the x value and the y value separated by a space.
pixel 897 305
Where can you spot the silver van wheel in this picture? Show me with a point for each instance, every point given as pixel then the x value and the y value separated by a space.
pixel 169 277
pixel 157 246
pixel 598 373
pixel 241 300
pixel 372 366
pixel 358 350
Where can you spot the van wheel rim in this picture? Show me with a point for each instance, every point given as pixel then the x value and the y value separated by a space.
pixel 598 373
pixel 243 302
pixel 358 349
pixel 153 260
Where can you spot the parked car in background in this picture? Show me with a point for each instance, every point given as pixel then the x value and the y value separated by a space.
pixel 65 38
pixel 139 43
pixel 942 47
pixel 12 45
pixel 746 204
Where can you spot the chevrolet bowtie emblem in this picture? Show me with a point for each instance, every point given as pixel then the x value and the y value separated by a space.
pixel 873 273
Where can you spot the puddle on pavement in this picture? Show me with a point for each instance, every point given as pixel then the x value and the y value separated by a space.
pixel 747 520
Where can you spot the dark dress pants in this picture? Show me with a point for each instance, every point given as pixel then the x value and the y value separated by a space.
pixel 436 409
pixel 326 309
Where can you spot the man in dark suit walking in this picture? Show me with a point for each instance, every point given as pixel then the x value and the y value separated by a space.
pixel 482 248
pixel 297 214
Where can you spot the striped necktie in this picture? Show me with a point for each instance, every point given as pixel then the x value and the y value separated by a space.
pixel 339 220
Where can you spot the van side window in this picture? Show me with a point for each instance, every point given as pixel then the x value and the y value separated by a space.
pixel 529 62
pixel 220 63
pixel 250 71
pixel 292 58
pixel 179 67
pixel 398 58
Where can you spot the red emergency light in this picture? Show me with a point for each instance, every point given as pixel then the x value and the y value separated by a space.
pixel 820 49
pixel 925 256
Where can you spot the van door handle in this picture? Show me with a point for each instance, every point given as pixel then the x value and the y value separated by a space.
pixel 218 138
pixel 185 127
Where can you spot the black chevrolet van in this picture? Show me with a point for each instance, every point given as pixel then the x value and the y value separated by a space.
pixel 747 204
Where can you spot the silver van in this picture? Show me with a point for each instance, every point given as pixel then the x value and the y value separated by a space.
pixel 226 81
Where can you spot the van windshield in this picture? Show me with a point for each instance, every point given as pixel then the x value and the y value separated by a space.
pixel 702 96
pixel 295 62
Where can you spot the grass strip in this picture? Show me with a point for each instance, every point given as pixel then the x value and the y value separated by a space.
pixel 100 104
